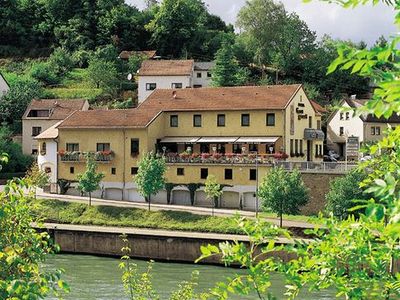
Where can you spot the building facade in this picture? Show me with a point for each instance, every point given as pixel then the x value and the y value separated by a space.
pixel 343 124
pixel 4 87
pixel 42 114
pixel 234 133
pixel 172 74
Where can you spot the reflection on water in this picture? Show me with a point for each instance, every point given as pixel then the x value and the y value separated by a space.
pixel 92 277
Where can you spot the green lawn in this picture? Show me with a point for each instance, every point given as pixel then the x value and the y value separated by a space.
pixel 77 213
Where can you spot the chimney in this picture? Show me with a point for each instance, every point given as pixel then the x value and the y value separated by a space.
pixel 174 94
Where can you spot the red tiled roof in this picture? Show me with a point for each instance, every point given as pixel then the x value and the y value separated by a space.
pixel 203 99
pixel 166 68
pixel 59 108
pixel 317 107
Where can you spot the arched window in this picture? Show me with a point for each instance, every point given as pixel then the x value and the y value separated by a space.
pixel 43 149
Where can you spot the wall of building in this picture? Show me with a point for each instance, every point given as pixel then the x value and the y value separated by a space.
pixel 28 143
pixel 258 126
pixel 163 82
pixel 298 125
pixel 4 88
pixel 48 159
pixel 368 136
pixel 204 80
pixel 354 126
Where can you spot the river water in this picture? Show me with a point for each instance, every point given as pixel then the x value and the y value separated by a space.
pixel 92 277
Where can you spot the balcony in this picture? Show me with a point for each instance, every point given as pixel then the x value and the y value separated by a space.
pixel 75 156
pixel 218 158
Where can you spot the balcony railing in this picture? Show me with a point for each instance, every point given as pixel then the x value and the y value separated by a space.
pixel 310 166
pixel 99 156
pixel 217 158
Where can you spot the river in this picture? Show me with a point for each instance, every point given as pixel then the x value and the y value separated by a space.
pixel 92 277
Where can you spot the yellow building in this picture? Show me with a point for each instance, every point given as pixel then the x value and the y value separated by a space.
pixel 219 131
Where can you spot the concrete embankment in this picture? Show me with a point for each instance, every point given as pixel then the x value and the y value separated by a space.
pixel 145 243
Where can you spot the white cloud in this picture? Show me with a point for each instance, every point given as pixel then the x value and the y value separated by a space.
pixel 363 23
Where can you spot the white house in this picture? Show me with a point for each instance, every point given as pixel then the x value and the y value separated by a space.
pixel 367 128
pixel 47 154
pixel 4 87
pixel 171 74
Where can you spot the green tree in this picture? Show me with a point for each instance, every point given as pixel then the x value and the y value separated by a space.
pixel 44 73
pixel 342 193
pixel 89 181
pixel 102 74
pixel 283 192
pixel 15 102
pixel 36 178
pixel 213 190
pixel 23 249
pixel 177 27
pixel 150 177
pixel 227 71
pixel 61 61
pixel 135 62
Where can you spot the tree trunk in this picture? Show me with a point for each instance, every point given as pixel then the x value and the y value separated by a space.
pixel 149 201
pixel 280 220
pixel 90 199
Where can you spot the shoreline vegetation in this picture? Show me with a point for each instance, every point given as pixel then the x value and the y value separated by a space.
pixel 55 211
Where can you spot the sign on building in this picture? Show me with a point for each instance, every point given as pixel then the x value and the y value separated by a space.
pixel 353 146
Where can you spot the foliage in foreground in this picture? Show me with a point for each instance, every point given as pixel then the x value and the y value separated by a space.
pixel 23 249
pixel 89 181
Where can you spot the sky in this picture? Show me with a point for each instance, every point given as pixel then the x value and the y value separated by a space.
pixel 362 23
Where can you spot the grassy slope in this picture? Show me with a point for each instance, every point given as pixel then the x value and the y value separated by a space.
pixel 76 213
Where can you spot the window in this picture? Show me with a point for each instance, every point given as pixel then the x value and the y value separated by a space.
pixel 320 150
pixel 173 121
pixel 221 120
pixel 245 120
pixel 196 86
pixel 270 119
pixel 316 150
pixel 291 146
pixel 319 124
pixel 253 147
pixel 341 131
pixel 177 85
pixel 347 116
pixel 209 74
pixel 103 147
pixel 47 170
pixel 39 113
pixel 341 116
pixel 204 148
pixel 180 171
pixel 198 74
pixel 36 131
pixel 196 120
pixel 296 146
pixel 203 173
pixel 134 170
pixel 253 174
pixel 34 151
pixel 113 171
pixel 72 170
pixel 375 130
pixel 237 148
pixel 309 122
pixel 134 147
pixel 301 146
pixel 228 174
pixel 72 147
pixel 151 86
pixel 43 149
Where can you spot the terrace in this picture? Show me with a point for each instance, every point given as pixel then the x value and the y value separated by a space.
pixel 76 156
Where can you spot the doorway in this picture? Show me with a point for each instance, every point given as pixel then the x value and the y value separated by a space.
pixel 309 150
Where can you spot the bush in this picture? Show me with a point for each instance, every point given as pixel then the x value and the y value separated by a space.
pixel 44 73
pixel 343 191
pixel 61 61
pixel 81 58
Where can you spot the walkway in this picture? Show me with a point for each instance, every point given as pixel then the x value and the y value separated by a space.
pixel 157 207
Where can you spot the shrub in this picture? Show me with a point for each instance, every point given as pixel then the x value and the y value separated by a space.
pixel 61 61
pixel 44 73
pixel 343 191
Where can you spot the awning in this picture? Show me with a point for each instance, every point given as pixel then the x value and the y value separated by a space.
pixel 313 134
pixel 180 140
pixel 217 140
pixel 257 140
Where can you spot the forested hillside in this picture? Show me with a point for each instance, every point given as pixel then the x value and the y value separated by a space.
pixel 69 49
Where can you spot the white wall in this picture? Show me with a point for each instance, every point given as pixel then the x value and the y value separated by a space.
pixel 163 82
pixel 204 81
pixel 4 88
pixel 49 159
pixel 352 127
